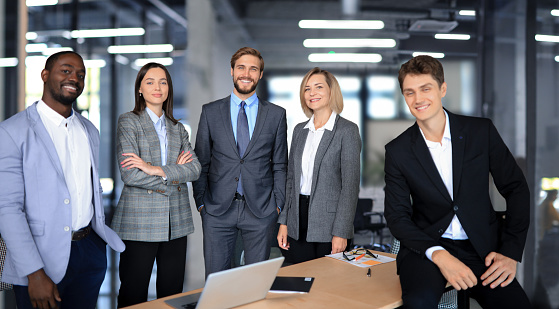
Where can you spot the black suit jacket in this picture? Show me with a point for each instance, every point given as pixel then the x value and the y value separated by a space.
pixel 264 164
pixel 418 208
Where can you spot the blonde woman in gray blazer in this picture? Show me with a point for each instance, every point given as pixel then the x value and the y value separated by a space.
pixel 322 174
pixel 153 215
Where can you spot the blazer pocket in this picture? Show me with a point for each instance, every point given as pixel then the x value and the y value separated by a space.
pixel 37 228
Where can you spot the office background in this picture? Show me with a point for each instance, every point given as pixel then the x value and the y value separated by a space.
pixel 501 63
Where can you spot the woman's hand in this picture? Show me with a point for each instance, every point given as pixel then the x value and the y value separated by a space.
pixel 338 244
pixel 184 158
pixel 134 160
pixel 282 237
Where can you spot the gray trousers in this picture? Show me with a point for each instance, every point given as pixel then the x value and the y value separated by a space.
pixel 220 234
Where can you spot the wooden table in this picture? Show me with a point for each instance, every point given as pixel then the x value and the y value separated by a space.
pixel 337 285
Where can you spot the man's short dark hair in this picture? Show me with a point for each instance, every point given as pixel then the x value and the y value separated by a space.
pixel 422 65
pixel 247 51
pixel 52 58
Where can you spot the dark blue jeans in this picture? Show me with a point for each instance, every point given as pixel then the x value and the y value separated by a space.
pixel 84 275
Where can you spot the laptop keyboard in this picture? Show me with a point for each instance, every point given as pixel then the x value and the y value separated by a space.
pixel 190 306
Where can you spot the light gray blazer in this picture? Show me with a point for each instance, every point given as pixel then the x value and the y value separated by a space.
pixel 35 216
pixel 335 183
pixel 150 207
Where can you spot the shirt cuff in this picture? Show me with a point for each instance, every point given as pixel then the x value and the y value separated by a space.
pixel 429 252
pixel 200 207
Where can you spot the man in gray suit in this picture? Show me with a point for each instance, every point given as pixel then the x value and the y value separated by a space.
pixel 242 147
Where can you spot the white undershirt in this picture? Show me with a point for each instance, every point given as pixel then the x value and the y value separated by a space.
pixel 309 152
pixel 442 156
pixel 72 146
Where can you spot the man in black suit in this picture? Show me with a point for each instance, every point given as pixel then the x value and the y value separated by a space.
pixel 242 147
pixel 437 200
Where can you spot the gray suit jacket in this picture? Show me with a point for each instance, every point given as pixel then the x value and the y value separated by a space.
pixel 150 207
pixel 263 165
pixel 335 183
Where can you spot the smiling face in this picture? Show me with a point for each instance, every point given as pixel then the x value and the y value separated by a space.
pixel 424 97
pixel 154 88
pixel 246 74
pixel 64 82
pixel 317 93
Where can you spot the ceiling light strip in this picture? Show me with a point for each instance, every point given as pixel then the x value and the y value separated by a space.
pixel 450 36
pixel 140 49
pixel 332 43
pixel 106 33
pixel 344 57
pixel 341 24
pixel 434 55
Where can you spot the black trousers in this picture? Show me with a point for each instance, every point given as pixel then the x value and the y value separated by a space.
pixel 423 284
pixel 136 264
pixel 301 250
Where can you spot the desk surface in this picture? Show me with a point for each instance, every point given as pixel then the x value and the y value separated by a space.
pixel 336 285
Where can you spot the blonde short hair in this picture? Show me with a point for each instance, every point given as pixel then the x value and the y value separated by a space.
pixel 336 98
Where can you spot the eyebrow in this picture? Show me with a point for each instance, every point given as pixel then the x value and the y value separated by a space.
pixel 315 84
pixel 422 86
pixel 71 66
pixel 164 78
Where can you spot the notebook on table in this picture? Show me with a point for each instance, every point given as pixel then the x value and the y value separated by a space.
pixel 232 287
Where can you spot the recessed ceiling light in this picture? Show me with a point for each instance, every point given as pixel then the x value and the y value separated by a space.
pixel 340 24
pixel 105 33
pixel 328 43
pixel 450 36
pixel 467 12
pixel 434 55
pixel 140 49
pixel 547 38
pixel 344 57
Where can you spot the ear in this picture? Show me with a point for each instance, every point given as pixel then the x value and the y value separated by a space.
pixel 231 72
pixel 261 74
pixel 45 75
pixel 443 89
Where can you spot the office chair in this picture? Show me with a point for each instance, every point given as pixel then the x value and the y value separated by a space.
pixel 363 223
pixel 451 298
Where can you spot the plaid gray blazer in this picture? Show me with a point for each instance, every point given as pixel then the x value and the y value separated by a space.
pixel 150 208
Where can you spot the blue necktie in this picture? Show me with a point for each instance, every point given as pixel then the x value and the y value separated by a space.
pixel 243 138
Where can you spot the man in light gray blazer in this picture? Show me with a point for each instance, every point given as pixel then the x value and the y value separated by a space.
pixel 51 208
pixel 242 147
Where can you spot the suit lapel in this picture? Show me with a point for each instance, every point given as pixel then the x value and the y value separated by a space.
pixel 260 121
pixel 298 155
pixel 39 128
pixel 174 141
pixel 458 147
pixel 421 151
pixel 153 139
pixel 225 109
pixel 321 151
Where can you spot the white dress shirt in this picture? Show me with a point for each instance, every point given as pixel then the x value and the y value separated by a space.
pixel 442 156
pixel 309 152
pixel 72 146
pixel 161 129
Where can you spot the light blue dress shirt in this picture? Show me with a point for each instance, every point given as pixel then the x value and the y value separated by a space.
pixel 251 109
pixel 161 129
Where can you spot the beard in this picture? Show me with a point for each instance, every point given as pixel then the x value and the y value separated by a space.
pixel 65 99
pixel 237 85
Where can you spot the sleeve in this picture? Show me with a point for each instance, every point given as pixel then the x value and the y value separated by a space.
pixel 282 219
pixel 203 149
pixel 350 172
pixel 13 222
pixel 127 143
pixel 279 161
pixel 511 184
pixel 182 173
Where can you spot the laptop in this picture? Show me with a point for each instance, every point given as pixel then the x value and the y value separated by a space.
pixel 232 287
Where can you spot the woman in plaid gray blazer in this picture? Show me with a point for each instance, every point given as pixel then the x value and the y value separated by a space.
pixel 153 216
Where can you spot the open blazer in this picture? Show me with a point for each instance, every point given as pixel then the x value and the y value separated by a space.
pixel 335 182
pixel 35 215
pixel 150 208
pixel 477 151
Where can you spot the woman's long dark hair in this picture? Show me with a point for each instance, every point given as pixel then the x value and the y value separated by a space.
pixel 141 102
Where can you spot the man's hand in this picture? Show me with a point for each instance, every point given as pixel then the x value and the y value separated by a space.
pixel 282 237
pixel 338 244
pixel 456 273
pixel 501 271
pixel 43 293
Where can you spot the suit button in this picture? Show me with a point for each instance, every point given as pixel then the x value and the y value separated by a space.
pixel 441 231
pixel 242 161
pixel 455 208
pixel 66 228
pixel 66 201
pixel 150 191
pixel 236 178
pixel 179 188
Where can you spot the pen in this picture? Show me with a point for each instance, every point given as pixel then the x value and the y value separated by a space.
pixel 368 272
pixel 362 255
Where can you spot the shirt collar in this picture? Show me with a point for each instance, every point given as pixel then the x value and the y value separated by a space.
pixel 50 114
pixel 154 117
pixel 249 101
pixel 329 125
pixel 446 134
